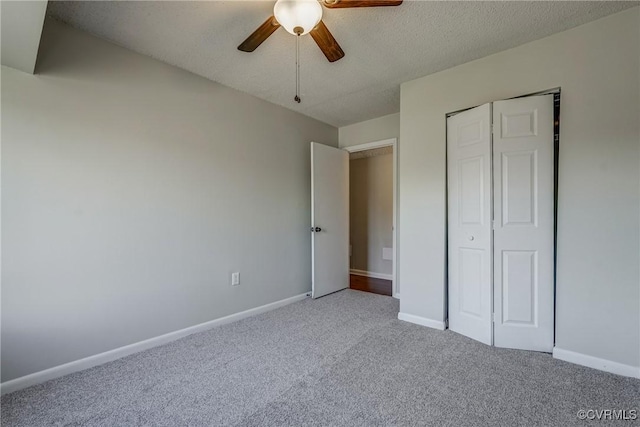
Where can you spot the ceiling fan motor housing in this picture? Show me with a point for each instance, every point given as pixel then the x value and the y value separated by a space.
pixel 295 14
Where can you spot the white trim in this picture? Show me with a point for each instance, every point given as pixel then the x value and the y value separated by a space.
pixel 371 274
pixel 394 265
pixel 379 144
pixel 108 356
pixel 370 145
pixel 313 224
pixel 423 321
pixel 596 363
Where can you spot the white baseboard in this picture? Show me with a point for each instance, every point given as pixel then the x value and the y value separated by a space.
pixel 596 363
pixel 435 324
pixel 371 274
pixel 108 356
pixel 396 295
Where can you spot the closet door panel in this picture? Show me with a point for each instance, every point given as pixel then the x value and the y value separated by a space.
pixel 469 222
pixel 523 250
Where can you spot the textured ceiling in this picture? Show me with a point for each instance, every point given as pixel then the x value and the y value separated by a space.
pixel 384 46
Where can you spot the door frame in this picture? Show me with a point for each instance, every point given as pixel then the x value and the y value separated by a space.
pixel 391 142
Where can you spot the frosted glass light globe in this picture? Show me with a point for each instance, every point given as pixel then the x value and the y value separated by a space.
pixel 298 13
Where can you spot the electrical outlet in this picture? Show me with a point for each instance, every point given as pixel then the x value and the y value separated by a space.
pixel 235 279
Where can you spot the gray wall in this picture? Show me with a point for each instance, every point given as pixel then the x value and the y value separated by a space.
pixel 597 66
pixel 130 192
pixel 378 129
pixel 21 23
pixel 371 212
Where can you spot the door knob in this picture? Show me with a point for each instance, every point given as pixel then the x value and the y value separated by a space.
pixel 471 238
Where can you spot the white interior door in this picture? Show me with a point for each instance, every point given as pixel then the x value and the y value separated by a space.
pixel 523 235
pixel 469 222
pixel 329 219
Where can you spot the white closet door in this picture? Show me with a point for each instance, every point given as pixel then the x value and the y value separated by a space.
pixel 469 193
pixel 523 229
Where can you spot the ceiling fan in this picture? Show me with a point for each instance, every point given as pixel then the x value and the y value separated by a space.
pixel 300 17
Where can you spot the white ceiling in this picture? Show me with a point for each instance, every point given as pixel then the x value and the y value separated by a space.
pixel 384 46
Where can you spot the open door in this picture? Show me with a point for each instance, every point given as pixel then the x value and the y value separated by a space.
pixel 329 219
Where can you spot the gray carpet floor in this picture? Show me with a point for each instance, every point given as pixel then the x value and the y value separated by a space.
pixel 342 360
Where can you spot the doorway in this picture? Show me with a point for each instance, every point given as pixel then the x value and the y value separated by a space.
pixel 372 217
pixel 359 250
pixel 371 220
pixel 501 161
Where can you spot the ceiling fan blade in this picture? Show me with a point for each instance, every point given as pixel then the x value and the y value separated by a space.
pixel 259 35
pixel 325 41
pixel 336 4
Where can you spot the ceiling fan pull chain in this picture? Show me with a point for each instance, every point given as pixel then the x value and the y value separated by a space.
pixel 297 98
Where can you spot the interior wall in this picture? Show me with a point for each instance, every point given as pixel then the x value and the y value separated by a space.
pixel 131 190
pixel 371 212
pixel 598 276
pixel 21 23
pixel 378 129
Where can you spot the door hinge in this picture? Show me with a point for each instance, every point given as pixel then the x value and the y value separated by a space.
pixel 493 317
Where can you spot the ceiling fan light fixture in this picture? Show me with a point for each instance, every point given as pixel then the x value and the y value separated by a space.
pixel 294 15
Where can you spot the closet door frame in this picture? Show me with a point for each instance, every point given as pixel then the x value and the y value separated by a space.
pixel 554 164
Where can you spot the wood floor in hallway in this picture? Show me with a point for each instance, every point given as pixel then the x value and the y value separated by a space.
pixel 370 284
